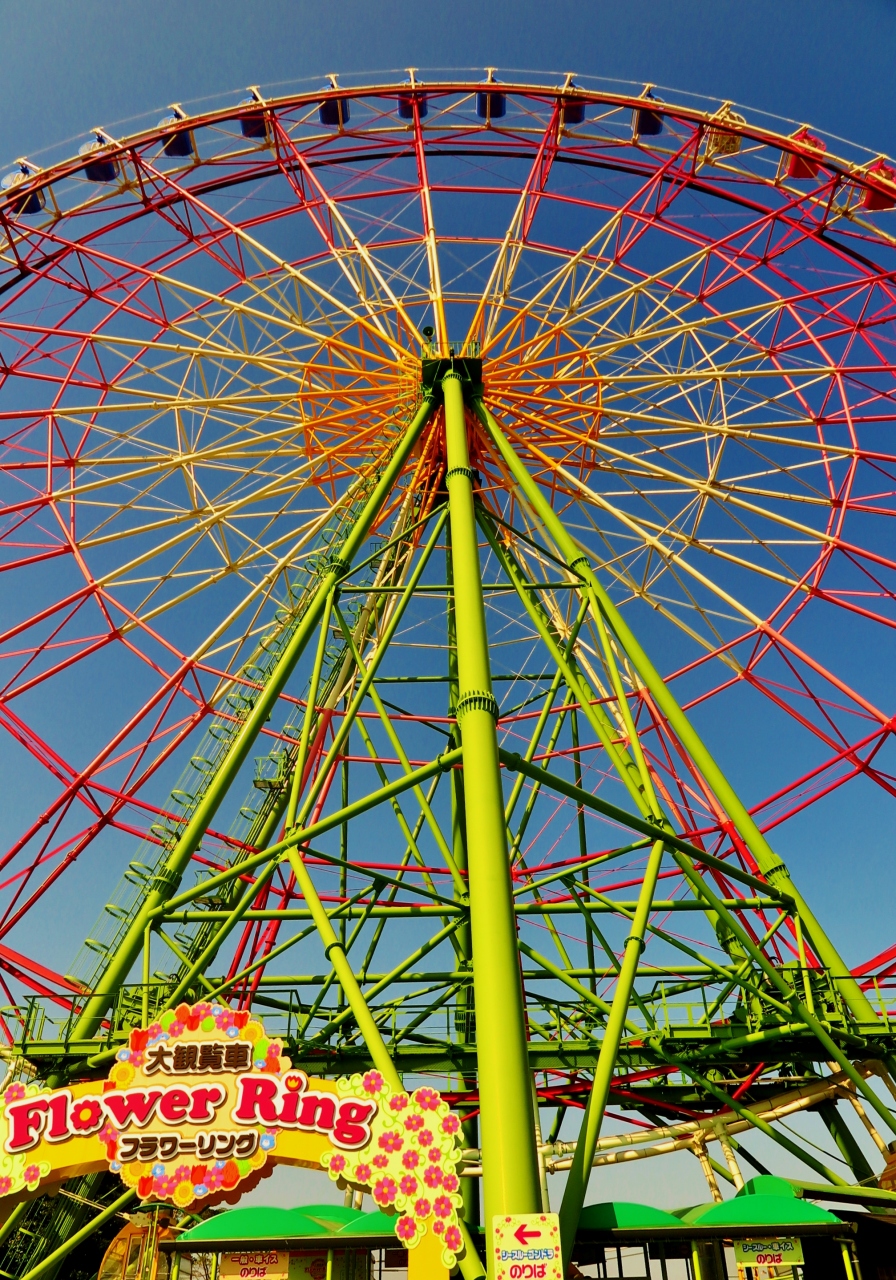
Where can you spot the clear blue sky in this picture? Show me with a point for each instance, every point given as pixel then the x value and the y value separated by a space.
pixel 69 66
pixel 82 63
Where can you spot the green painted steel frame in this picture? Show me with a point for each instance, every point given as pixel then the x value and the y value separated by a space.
pixel 480 920
pixel 510 1165
pixel 169 878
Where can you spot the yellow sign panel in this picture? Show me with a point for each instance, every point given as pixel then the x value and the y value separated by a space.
pixel 269 1264
pixel 262 1264
pixel 200 1105
pixel 527 1246
pixel 775 1252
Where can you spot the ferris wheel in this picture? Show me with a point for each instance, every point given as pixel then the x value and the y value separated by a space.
pixel 439 524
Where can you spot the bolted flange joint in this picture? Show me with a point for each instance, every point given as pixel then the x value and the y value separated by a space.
pixel 165 878
pixel 476 700
pixel 778 871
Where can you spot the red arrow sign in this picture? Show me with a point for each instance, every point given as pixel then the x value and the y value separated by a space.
pixel 524 1235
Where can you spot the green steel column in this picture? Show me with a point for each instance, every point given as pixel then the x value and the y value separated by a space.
pixel 310 706
pixel 465 1011
pixel 843 1136
pixel 767 860
pixel 165 882
pixel 583 842
pixel 509 1158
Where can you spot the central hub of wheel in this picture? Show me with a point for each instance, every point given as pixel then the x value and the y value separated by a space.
pixel 434 365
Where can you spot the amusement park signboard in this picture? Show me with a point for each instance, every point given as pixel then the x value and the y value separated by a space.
pixel 527 1246
pixel 199 1106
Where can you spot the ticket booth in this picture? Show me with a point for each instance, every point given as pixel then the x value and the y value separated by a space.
pixel 314 1242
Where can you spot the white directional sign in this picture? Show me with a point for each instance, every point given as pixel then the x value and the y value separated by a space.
pixel 527 1246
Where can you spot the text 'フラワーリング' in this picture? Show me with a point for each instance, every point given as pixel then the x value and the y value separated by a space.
pixel 261 1099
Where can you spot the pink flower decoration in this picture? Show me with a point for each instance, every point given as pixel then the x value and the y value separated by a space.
pixel 413 1123
pixel 406 1228
pixel 32 1173
pixel 433 1176
pixel 450 1124
pixel 108 1133
pixel 372 1082
pixel 15 1091
pixel 181 1173
pixel 435 1155
pixel 422 1208
pixel 428 1099
pixel 442 1207
pixel 453 1239
pixel 381 1161
pixel 410 1159
pixel 408 1185
pixel 398 1102
pixel 425 1138
pixel 449 1181
pixel 5 1185
pixel 362 1173
pixel 438 1226
pixel 385 1191
pixel 136 1058
pixel 176 1029
pixel 391 1141
pixel 337 1162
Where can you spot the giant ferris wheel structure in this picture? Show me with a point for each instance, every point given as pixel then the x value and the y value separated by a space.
pixel 412 490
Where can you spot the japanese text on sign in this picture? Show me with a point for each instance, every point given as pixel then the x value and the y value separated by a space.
pixel 527 1246
pixel 263 1265
pixel 768 1253
pixel 192 1056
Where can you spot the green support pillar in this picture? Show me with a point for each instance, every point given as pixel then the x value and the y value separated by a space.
pixel 845 1139
pixel 465 1010
pixel 507 1126
pixel 167 879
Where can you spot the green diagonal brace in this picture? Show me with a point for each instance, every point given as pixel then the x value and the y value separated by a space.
pixel 165 882
pixel 766 859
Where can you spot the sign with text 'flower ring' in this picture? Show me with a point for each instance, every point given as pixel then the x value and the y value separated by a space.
pixel 201 1104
